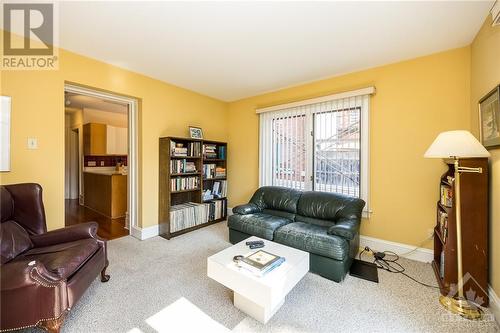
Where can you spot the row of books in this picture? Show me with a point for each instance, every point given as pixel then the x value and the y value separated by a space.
pixel 446 196
pixel 187 215
pixel 184 183
pixel 213 171
pixel 216 209
pixel 217 190
pixel 185 149
pixel 261 262
pixel 190 214
pixel 182 166
pixel 210 151
pixel 443 225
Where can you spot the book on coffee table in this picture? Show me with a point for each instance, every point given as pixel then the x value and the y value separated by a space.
pixel 261 262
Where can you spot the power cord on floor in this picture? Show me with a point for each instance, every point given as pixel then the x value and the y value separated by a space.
pixel 388 261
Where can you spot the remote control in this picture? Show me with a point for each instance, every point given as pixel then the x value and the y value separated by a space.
pixel 256 246
pixel 254 242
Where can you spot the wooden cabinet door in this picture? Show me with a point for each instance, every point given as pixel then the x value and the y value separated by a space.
pixel 94 139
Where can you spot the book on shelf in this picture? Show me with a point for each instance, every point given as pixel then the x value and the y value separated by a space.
pixel 443 225
pixel 190 149
pixel 184 183
pixel 222 152
pixel 261 262
pixel 182 166
pixel 446 196
pixel 441 265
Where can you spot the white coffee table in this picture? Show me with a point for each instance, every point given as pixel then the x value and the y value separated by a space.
pixel 259 297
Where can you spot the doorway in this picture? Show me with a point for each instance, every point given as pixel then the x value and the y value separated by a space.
pixel 101 160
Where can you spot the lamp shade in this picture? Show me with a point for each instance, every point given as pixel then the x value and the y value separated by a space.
pixel 456 144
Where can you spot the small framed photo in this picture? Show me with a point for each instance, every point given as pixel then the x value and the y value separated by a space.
pixel 489 119
pixel 195 132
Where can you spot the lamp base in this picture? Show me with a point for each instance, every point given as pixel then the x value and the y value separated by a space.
pixel 461 307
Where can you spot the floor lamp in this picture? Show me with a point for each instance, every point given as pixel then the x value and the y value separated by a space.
pixel 456 145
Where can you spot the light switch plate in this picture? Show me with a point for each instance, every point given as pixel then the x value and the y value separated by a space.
pixel 32 143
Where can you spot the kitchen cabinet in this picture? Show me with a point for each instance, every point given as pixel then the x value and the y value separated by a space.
pixel 106 193
pixel 116 140
pixel 94 139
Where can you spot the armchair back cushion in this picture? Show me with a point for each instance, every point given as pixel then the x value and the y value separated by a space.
pixel 23 204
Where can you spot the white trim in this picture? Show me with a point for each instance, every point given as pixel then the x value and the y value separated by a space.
pixel 494 304
pixel 133 152
pixel 145 233
pixel 347 94
pixel 418 254
pixel 229 211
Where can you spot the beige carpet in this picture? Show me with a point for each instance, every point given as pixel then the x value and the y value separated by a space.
pixel 161 286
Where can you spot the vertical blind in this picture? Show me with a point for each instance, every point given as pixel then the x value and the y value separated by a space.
pixel 320 146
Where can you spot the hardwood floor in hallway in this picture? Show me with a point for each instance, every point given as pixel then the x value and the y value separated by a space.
pixel 108 228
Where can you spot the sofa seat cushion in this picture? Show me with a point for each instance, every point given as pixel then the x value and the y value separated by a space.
pixel 314 239
pixel 258 224
pixel 64 259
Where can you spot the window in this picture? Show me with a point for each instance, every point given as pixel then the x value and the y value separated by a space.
pixel 321 145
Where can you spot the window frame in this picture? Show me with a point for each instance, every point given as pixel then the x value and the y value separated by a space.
pixel 309 111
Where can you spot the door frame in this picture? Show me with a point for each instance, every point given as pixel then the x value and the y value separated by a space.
pixel 132 219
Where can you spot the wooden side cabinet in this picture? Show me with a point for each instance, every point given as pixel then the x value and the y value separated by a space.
pixel 474 212
pixel 94 139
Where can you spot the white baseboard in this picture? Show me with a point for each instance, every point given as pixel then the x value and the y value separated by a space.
pixel 376 244
pixel 145 233
pixel 229 211
pixel 494 304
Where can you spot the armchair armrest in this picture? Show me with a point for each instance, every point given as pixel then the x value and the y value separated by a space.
pixel 346 228
pixel 68 234
pixel 245 209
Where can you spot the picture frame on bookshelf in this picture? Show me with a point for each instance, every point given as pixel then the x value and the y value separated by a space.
pixel 195 132
pixel 489 119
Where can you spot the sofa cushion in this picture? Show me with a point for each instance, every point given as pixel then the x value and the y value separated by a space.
pixel 314 239
pixel 276 198
pixel 258 224
pixel 64 259
pixel 14 240
pixel 329 206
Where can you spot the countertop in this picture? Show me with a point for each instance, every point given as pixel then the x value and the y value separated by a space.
pixel 106 171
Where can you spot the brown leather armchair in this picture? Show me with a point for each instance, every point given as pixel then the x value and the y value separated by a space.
pixel 43 274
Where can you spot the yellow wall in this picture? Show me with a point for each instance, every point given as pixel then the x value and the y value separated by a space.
pixel 38 111
pixel 415 100
pixel 485 75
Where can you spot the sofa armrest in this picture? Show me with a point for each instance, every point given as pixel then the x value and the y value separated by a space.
pixel 346 228
pixel 245 209
pixel 68 234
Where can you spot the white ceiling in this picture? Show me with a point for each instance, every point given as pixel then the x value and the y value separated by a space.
pixel 77 101
pixel 232 50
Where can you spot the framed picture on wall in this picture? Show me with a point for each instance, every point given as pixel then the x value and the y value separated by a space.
pixel 489 119
pixel 195 132
pixel 5 103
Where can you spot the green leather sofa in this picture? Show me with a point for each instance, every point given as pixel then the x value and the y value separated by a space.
pixel 324 224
